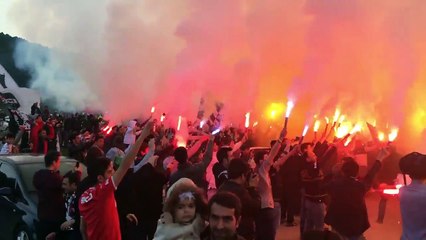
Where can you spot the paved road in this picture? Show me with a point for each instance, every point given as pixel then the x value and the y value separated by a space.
pixel 390 230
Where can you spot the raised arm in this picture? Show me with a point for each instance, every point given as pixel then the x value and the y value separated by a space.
pixel 196 146
pixel 276 148
pixel 130 156
pixel 283 159
pixel 368 180
pixel 147 156
pixel 208 155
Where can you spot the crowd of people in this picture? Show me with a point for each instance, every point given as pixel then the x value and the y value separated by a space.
pixel 142 184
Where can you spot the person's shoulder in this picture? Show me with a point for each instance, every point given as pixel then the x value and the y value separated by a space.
pixel 87 196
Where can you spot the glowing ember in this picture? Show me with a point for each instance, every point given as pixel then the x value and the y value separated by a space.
pixel 216 131
pixel 349 140
pixel 342 118
pixel 381 136
pixel 391 191
pixel 343 130
pixel 305 130
pixel 356 128
pixel 247 123
pixel 290 105
pixel 255 124
pixel 393 134
pixel 336 115
pixel 316 125
pixel 274 110
pixel 179 123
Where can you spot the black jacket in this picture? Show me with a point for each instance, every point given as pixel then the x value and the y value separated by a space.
pixel 250 201
pixel 347 212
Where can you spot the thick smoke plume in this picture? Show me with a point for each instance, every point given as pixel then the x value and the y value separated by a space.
pixel 125 56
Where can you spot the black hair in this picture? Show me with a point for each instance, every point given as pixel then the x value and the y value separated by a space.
pixel 304 146
pixel 228 200
pixel 10 135
pixel 414 164
pixel 97 167
pixel 237 168
pixel 51 157
pixel 222 154
pixel 73 136
pixel 73 177
pixel 181 155
pixel 99 136
pixel 350 167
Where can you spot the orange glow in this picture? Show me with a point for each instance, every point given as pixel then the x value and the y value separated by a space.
pixel 336 115
pixel 255 124
pixel 290 106
pixel 327 120
pixel 419 120
pixel 247 122
pixel 356 128
pixel 381 136
pixel 393 134
pixel 274 110
pixel 202 123
pixel 152 109
pixel 343 130
pixel 179 123
pixel 391 191
pixel 342 118
pixel 305 130
pixel 316 125
pixel 349 140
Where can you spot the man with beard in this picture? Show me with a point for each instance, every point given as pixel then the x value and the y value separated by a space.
pixel 224 217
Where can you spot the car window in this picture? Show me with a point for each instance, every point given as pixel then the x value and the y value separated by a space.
pixel 8 178
pixel 7 175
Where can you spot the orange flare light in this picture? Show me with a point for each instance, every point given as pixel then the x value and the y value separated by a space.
pixel 316 125
pixel 305 130
pixel 393 134
pixel 247 123
pixel 342 118
pixel 327 120
pixel 381 136
pixel 290 105
pixel 152 109
pixel 391 191
pixel 343 130
pixel 336 115
pixel 349 140
pixel 356 128
pixel 255 124
pixel 179 123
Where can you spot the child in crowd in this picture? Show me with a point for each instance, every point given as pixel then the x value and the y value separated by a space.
pixel 184 212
